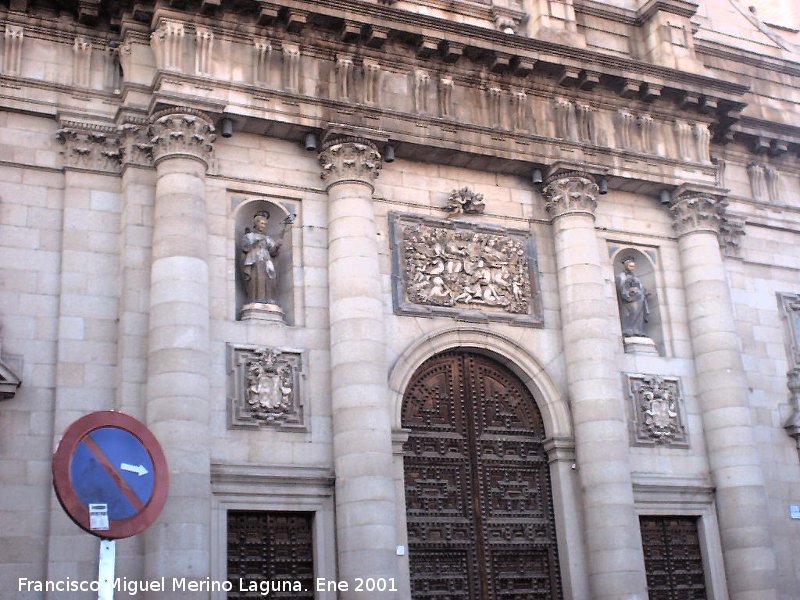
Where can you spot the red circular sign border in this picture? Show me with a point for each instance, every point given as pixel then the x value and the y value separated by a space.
pixel 75 507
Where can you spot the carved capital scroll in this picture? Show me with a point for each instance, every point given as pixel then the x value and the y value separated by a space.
pixel 697 212
pixel 182 132
pixel 570 192
pixel 346 159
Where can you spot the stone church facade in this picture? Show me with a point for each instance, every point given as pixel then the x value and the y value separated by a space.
pixel 473 299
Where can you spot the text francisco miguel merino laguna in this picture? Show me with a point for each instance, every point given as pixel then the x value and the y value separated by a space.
pixel 133 587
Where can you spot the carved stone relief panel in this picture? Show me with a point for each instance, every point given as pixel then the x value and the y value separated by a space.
pixel 464 270
pixel 265 387
pixel 657 405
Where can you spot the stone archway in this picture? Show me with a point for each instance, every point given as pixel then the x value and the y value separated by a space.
pixel 479 506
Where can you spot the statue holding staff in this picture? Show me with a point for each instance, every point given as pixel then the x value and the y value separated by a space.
pixel 258 267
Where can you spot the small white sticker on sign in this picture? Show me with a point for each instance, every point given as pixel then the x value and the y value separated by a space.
pixel 98 517
pixel 794 511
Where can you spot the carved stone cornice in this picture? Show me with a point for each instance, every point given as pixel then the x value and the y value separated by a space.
pixel 570 192
pixel 695 211
pixel 181 132
pixel 349 159
pixel 90 147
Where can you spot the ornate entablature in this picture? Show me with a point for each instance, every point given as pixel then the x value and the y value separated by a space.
pixel 265 387
pixel 463 270
pixel 657 405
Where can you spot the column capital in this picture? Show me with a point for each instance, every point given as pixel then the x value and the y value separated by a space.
pixel 349 159
pixel 570 192
pixel 181 131
pixel 697 211
pixel 89 146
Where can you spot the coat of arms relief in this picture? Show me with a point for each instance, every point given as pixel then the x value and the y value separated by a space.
pixel 264 387
pixel 657 410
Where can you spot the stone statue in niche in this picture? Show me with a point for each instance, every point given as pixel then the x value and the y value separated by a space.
pixel 258 268
pixel 633 300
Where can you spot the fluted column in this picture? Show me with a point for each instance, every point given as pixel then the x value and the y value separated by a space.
pixel 615 562
pixel 722 387
pixel 362 440
pixel 178 545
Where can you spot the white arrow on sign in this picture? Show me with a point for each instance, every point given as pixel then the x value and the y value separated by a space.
pixel 138 469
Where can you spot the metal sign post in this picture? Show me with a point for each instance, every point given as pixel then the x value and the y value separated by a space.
pixel 105 570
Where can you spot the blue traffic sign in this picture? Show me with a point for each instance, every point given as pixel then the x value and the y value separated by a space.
pixel 111 466
pixel 110 475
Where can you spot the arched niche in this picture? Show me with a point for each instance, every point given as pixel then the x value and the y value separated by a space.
pixel 283 261
pixel 646 271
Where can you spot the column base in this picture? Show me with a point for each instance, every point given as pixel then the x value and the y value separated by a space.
pixel 259 311
pixel 639 345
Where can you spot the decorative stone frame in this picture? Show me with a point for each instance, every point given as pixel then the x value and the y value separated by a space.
pixel 789 306
pixel 658 496
pixel 533 315
pixel 279 489
pixel 293 416
pixel 643 429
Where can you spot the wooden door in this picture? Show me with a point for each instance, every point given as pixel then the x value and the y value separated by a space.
pixel 478 496
pixel 672 558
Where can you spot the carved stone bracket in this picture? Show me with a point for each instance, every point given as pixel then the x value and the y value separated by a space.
pixel 695 211
pixel 466 271
pixel 465 201
pixel 9 380
pixel 346 159
pixel 731 230
pixel 182 132
pixel 570 192
pixel 265 387
pixel 90 147
pixel 656 402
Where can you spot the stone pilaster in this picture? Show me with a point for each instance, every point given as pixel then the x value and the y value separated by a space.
pixel 86 347
pixel 614 560
pixel 722 388
pixel 178 545
pixel 362 439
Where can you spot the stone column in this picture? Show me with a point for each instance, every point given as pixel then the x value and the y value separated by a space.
pixel 178 545
pixel 733 456
pixel 362 438
pixel 615 562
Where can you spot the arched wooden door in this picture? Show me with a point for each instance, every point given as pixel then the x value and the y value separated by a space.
pixel 478 499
